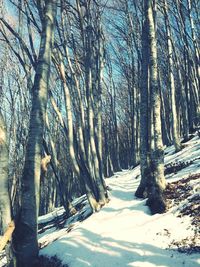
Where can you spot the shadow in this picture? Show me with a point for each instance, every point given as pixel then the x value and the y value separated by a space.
pixel 124 195
pixel 100 242
pixel 85 248
pixel 137 205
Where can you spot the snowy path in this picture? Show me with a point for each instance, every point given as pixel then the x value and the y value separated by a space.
pixel 123 233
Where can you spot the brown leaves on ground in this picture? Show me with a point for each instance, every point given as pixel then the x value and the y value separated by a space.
pixel 187 245
pixel 186 194
pixel 182 190
pixel 174 167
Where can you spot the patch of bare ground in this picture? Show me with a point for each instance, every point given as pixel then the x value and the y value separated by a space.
pixel 185 194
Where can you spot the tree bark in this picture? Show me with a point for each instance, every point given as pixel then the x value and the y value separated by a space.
pixel 156 183
pixel 5 203
pixel 5 212
pixel 144 110
pixel 175 133
pixel 25 236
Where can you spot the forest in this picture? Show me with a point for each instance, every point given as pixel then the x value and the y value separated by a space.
pixel 88 89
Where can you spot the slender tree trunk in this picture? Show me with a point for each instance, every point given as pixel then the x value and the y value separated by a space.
pixel 192 66
pixel 165 131
pixel 194 39
pixel 69 114
pixel 5 207
pixel 144 110
pixel 175 134
pixel 90 187
pixel 60 182
pixel 81 120
pixel 26 229
pixel 5 203
pixel 100 63
pixel 108 167
pixel 113 127
pixel 96 165
pixel 184 105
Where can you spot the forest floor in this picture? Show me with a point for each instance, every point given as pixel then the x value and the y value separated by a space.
pixel 124 233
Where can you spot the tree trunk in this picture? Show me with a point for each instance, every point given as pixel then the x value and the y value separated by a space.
pixel 5 203
pixel 195 42
pixel 144 110
pixel 95 163
pixel 175 134
pixel 5 212
pixel 184 105
pixel 26 228
pixel 156 183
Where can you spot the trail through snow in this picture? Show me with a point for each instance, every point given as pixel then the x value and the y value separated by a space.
pixel 124 233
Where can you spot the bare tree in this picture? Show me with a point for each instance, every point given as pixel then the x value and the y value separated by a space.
pixel 26 228
pixel 152 154
pixel 175 133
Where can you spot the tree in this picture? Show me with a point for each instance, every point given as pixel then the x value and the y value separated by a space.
pixel 144 110
pixel 176 139
pixel 156 183
pixel 26 228
pixel 5 204
pixel 152 169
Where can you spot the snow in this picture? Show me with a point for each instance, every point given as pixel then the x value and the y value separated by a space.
pixel 50 216
pixel 124 233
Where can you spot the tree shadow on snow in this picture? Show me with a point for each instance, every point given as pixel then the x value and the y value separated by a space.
pixel 86 248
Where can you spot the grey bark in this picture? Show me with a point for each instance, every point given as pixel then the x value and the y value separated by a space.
pixel 5 203
pixel 194 39
pixel 5 207
pixel 144 110
pixel 183 101
pixel 93 147
pixel 156 184
pixel 26 244
pixel 151 154
pixel 175 133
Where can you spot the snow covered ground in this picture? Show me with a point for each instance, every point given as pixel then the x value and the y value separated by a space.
pixel 124 233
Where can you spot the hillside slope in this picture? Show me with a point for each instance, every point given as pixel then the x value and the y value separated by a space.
pixel 124 233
